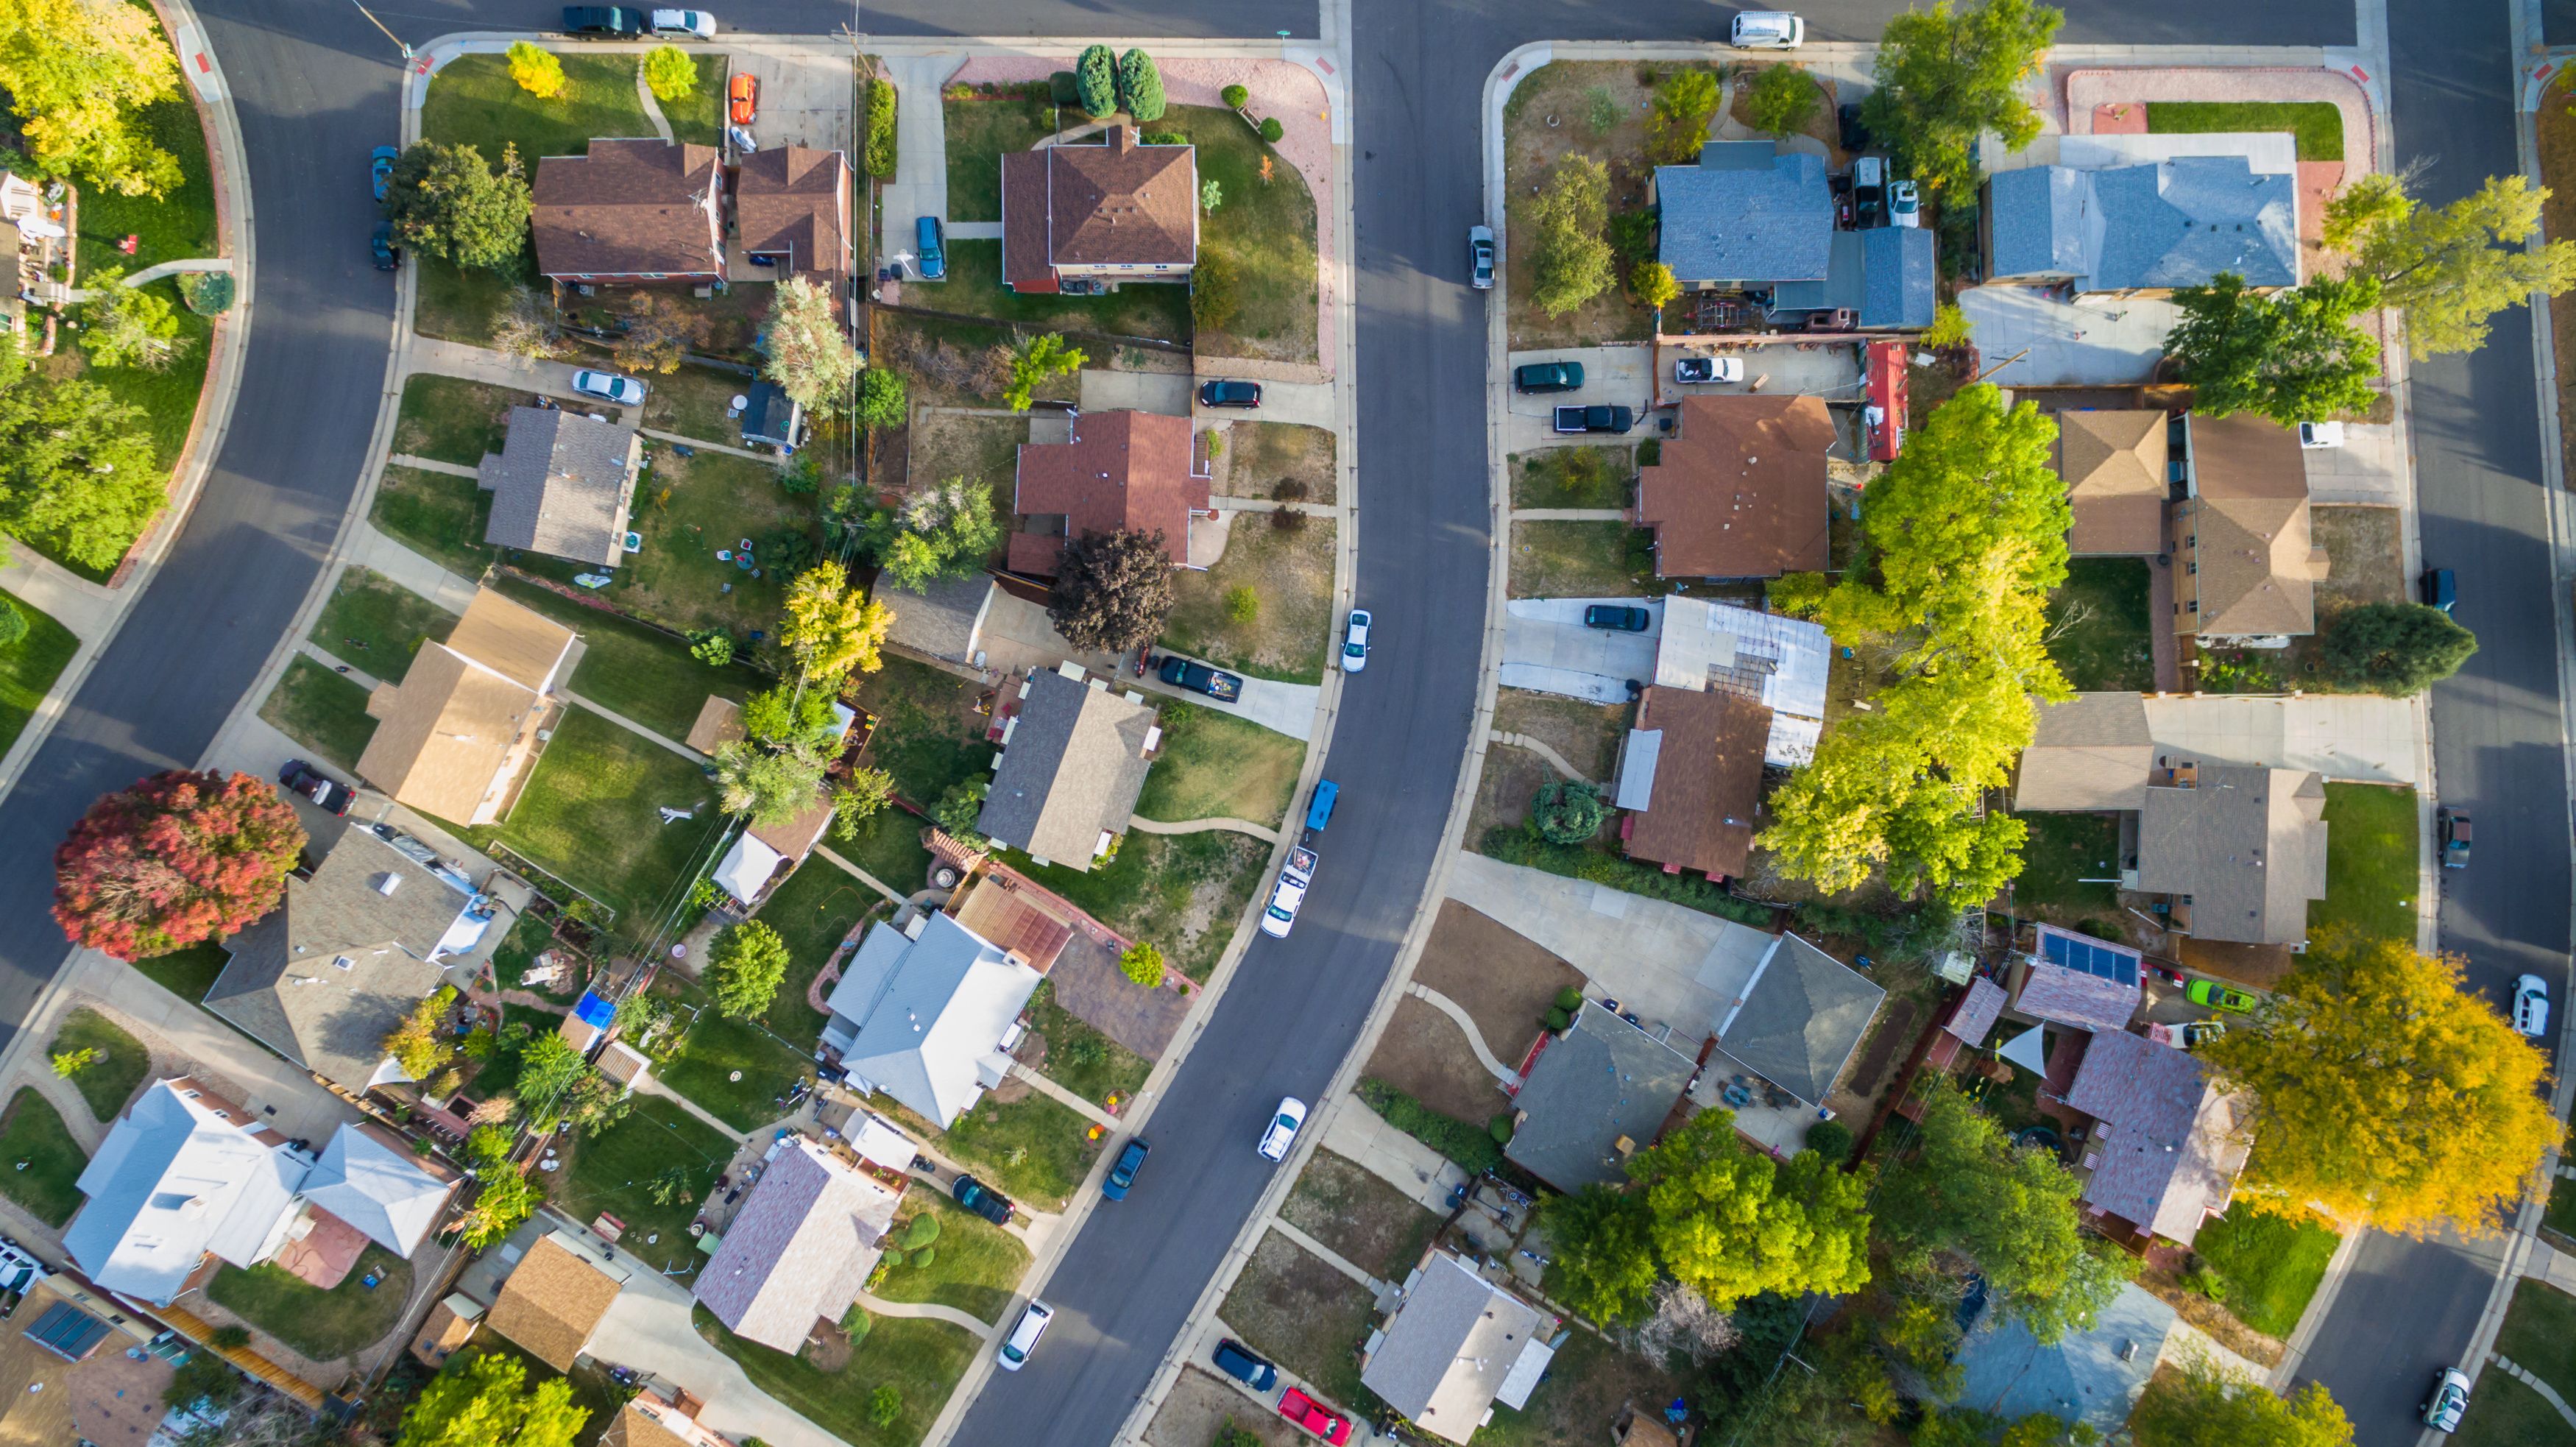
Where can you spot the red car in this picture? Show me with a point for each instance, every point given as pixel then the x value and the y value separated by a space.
pixel 1308 1413
pixel 744 93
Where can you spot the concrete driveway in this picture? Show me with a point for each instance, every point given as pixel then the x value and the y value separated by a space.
pixel 1610 374
pixel 1546 647
pixel 1307 403
pixel 1165 392
pixel 1287 708
pixel 648 1327
pixel 920 184
pixel 804 100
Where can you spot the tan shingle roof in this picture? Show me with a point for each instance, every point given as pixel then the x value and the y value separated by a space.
pixel 719 723
pixel 2114 466
pixel 1740 490
pixel 2257 561
pixel 553 1301
pixel 448 729
pixel 2090 752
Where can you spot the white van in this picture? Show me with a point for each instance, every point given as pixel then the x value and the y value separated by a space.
pixel 1768 30
pixel 1024 1337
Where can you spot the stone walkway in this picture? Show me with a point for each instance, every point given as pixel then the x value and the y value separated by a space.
pixel 1204 826
pixel 1475 1039
pixel 1539 747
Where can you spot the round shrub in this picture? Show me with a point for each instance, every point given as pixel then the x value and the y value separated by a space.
pixel 1095 82
pixel 1831 1139
pixel 207 293
pixel 1569 999
pixel 1558 1021
pixel 1062 89
pixel 925 1256
pixel 13 624
pixel 1234 96
pixel 923 1230
pixel 1567 811
pixel 1500 1128
pixel 1271 130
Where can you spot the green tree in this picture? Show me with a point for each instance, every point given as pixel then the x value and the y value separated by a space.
pixel 1242 605
pixel 1036 360
pixel 417 1044
pixel 958 810
pixel 505 1201
pixel 2449 268
pixel 771 786
pixel 1211 194
pixel 68 1063
pixel 1140 87
pixel 943 531
pixel 882 402
pixel 880 148
pixel 13 359
pixel 805 350
pixel 2397 649
pixel 1947 74
pixel 786 714
pixel 745 968
pixel 1968 1192
pixel 2200 1407
pixel 1784 98
pixel 859 798
pixel 536 71
pixel 711 646
pixel 1143 963
pixel 127 326
pixel 1112 591
pixel 1728 1221
pixel 656 334
pixel 1654 285
pixel 447 201
pixel 2362 207
pixel 77 470
pixel 831 627
pixel 484 1400
pixel 2293 357
pixel 670 74
pixel 1950 327
pixel 1678 125
pixel 885 1404
pixel 205 1379
pixel 1571 258
pixel 549 1069
pixel 13 625
pixel 1095 79
pixel 1605 1253
pixel 79 74
pixel 1568 811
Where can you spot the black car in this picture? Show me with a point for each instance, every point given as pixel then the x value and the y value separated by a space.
pixel 1599 417
pixel 1230 394
pixel 1199 678
pixel 2452 827
pixel 1548 377
pixel 603 20
pixel 1855 131
pixel 388 256
pixel 982 1199
pixel 321 788
pixel 1238 1362
pixel 1123 1175
pixel 1618 619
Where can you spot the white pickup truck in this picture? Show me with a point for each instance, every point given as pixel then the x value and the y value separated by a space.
pixel 1295 877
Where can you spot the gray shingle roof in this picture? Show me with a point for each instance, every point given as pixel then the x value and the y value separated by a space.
pixel 1073 768
pixel 1454 1342
pixel 1727 222
pixel 2248 845
pixel 1602 1080
pixel 943 619
pixel 923 1020
pixel 560 485
pixel 1802 1016
pixel 1884 274
pixel 2172 223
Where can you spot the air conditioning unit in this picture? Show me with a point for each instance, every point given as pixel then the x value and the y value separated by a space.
pixel 545 736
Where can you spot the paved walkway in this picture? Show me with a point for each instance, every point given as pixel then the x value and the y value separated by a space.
pixel 1569 514
pixel 1329 1256
pixel 1541 748
pixel 173 268
pixel 61 594
pixel 1363 1136
pixel 2547 1392
pixel 432 464
pixel 1457 1013
pixel 771 459
pixel 383 555
pixel 652 1085
pixel 920 184
pixel 1263 504
pixel 1064 1097
pixel 982 1329
pixel 870 880
pixel 1204 826
pixel 652 107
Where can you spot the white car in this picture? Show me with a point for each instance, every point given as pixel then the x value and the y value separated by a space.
pixel 1024 1337
pixel 624 391
pixel 1283 1129
pixel 1295 878
pixel 683 22
pixel 2449 1402
pixel 2531 1006
pixel 1904 205
pixel 1355 641
pixel 1767 30
pixel 2314 435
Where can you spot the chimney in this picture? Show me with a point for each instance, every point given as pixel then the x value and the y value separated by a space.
pixel 1118 140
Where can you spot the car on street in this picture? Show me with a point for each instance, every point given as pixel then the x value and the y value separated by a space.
pixel 2218 997
pixel 1199 678
pixel 380 168
pixel 603 22
pixel 697 23
pixel 1295 878
pixel 2451 826
pixel 1537 377
pixel 981 1199
pixel 388 256
pixel 1230 394
pixel 930 249
pixel 1123 1174
pixel 2317 435
pixel 624 391
pixel 1281 1133
pixel 1355 638
pixel 332 795
pixel 1618 617
pixel 1480 257
pixel 1024 1336
pixel 2531 1006
pixel 1237 1361
pixel 2439 588
pixel 1767 30
pixel 1904 205
pixel 1319 809
pixel 742 98
pixel 2449 1402
pixel 1310 1414
pixel 1703 370
pixel 1599 417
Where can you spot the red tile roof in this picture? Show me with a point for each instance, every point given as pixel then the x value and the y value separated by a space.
pixel 1121 471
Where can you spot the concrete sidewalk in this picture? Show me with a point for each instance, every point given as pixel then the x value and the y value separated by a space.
pixel 1363 1136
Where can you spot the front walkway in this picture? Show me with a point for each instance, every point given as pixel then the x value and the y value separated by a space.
pixel 1360 1134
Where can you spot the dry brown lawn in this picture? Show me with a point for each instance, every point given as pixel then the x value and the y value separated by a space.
pixel 2365 563
pixel 1587 734
pixel 1261 455
pixel 1505 981
pixel 1290 1306
pixel 1424 1055
pixel 1503 791
pixel 1820 121
pixel 1200 1405
pixel 1291 573
pixel 1353 1210
pixel 2556 122
pixel 945 444
pixel 1547 119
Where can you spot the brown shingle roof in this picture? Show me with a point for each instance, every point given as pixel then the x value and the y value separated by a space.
pixel 719 723
pixel 629 208
pixel 1740 490
pixel 794 203
pixel 2114 466
pixel 1121 470
pixel 2257 563
pixel 1115 203
pixel 553 1301
pixel 1707 779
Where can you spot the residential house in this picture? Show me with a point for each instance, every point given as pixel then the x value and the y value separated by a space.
pixel 2077 981
pixel 1073 763
pixel 369 1186
pixel 800 1249
pixel 79 1367
pixel 2116 464
pixel 1739 491
pixel 1092 213
pixel 2093 1376
pixel 1595 1095
pixel 185 1182
pixel 324 978
pixel 2092 752
pixel 771 418
pixel 762 854
pixel 1747 217
pixel 1690 773
pixel 2097 750
pixel 791 215
pixel 2146 214
pixel 2167 1144
pixel 650 1419
pixel 631 212
pixel 1028 923
pixel 719 723
pixel 459 736
pixel 449 1325
pixel 2241 850
pixel 944 622
pixel 1454 1344
pixel 1797 1022
pixel 1782 663
pixel 554 1298
pixel 1116 472
pixel 562 485
pixel 928 1014
pixel 1881 279
pixel 2245 563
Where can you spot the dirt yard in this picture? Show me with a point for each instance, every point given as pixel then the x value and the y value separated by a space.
pixel 946 443
pixel 1820 117
pixel 1201 1404
pixel 1424 1055
pixel 1259 456
pixel 1587 734
pixel 1291 578
pixel 1504 981
pixel 1549 117
pixel 1350 1208
pixel 1511 777
pixel 1290 1306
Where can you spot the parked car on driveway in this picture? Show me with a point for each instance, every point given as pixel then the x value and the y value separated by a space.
pixel 1355 641
pixel 1310 1414
pixel 388 256
pixel 1548 377
pixel 2531 1006
pixel 1596 418
pixel 1230 394
pixel 742 98
pixel 1904 205
pixel 1199 678
pixel 602 22
pixel 1480 257
pixel 321 788
pixel 380 168
pixel 696 23
pixel 981 1199
pixel 2449 1402
pixel 2452 827
pixel 2218 997
pixel 1237 1361
pixel 929 249
pixel 1703 370
pixel 624 391
pixel 1024 1336
pixel 2316 436
pixel 1123 1174
pixel 1618 618
pixel 1281 1133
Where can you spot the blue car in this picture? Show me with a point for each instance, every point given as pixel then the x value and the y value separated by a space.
pixel 1123 1174
pixel 381 168
pixel 1320 812
pixel 933 255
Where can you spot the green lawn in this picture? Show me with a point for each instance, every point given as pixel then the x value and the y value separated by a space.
pixel 1215 765
pixel 528 937
pixel 1290 575
pixel 323 1325
pixel 175 226
pixel 1582 560
pixel 978 132
pixel 1159 310
pixel 613 1172
pixel 2505 1413
pixel 1574 476
pixel 699 120
pixel 47 1162
pixel 1080 1058
pixel 974 1265
pixel 449 419
pixel 813 912
pixel 1158 884
pixel 689 509
pixel 2317 125
pixel 1266 228
pixel 2271 1264
pixel 926 735
pixel 889 846
pixel 589 815
pixel 377 624
pixel 473 101
pixel 920 1359
pixel 2371 862
pixel 2106 648
pixel 2061 850
pixel 28 669
pixel 1032 1148
pixel 2561 1215
pixel 692 401
pixel 320 710
pixel 2539 1335
pixel 459 304
pixel 107 1082
pixel 634 668
pixel 717 1048
pixel 187 973
pixel 442 518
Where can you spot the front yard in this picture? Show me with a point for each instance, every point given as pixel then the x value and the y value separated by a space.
pixel 29 667
pixel 2316 126
pixel 1349 1208
pixel 589 816
pixel 1260 456
pixel 320 710
pixel 1574 476
pixel 613 1173
pixel 1583 560
pixel 48 1160
pixel 1033 1148
pixel 1265 226
pixel 1217 766
pixel 108 1081
pixel 2271 1265
pixel 377 624
pixel 1549 117
pixel 1080 1058
pixel 1586 734
pixel 187 973
pixel 1290 577
pixel 975 1265
pixel 440 517
pixel 919 1358
pixel 2371 862
pixel 979 131
pixel 1293 1308
pixel 2539 1335
pixel 1183 892
pixel 2365 563
pixel 322 1325
pixel 2099 627
pixel 473 101
pixel 449 419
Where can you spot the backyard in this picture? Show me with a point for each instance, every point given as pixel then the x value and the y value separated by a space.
pixel 377 624
pixel 2061 853
pixel 817 908
pixel 1289 575
pixel 1217 766
pixel 634 668
pixel 979 131
pixel 613 1172
pixel 958 359
pixel 946 443
pixel 29 667
pixel 889 846
pixel 440 517
pixel 1264 224
pixel 1183 892
pixel 2371 862
pixel 1290 1306
pixel 113 1074
pixel 1157 311
pixel 1351 1209
pixel 449 419
pixel 692 402
pixel 1583 560
pixel 589 815
pixel 459 303
pixel 1080 1058
pixel 974 1264
pixel 322 1325
pixel 928 735
pixel 737 1071
pixel 2098 626
pixel 920 1359
pixel 690 508
pixel 32 1134
pixel 1585 1386
pixel 320 710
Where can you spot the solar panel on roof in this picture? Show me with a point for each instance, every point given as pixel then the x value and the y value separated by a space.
pixel 2098 960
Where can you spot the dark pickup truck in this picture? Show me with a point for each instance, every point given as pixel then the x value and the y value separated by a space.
pixel 1199 678
pixel 1596 418
pixel 603 22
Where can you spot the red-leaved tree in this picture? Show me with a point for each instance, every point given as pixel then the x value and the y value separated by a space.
pixel 181 857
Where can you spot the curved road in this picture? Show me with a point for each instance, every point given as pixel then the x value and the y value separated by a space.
pixel 315 89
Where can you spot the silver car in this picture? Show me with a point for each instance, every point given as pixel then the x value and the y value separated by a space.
pixel 2449 1402
pixel 1480 257
pixel 1282 1131
pixel 624 391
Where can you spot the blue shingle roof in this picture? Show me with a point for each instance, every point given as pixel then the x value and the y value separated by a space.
pixel 1885 274
pixel 2174 223
pixel 1729 223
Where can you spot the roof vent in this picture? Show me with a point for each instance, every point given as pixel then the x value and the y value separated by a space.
pixel 387 883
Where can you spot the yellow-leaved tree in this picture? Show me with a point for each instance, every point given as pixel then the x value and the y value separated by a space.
pixel 77 72
pixel 831 627
pixel 2384 1091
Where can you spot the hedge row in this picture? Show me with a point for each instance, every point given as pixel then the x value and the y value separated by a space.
pixel 1473 1147
pixel 880 148
pixel 1576 861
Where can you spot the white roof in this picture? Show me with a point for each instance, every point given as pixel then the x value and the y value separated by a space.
pixel 376 1188
pixel 877 1140
pixel 746 867
pixel 1785 662
pixel 179 1176
pixel 918 1018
